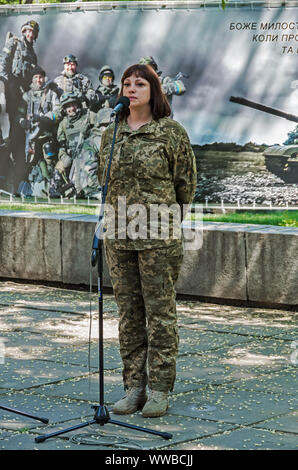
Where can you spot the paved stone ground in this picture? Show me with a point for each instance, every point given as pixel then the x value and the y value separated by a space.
pixel 236 382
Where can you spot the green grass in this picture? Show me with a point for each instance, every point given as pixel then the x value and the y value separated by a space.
pixel 52 208
pixel 282 218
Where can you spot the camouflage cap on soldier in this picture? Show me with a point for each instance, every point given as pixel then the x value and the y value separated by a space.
pixel 33 25
pixel 69 97
pixel 106 70
pixel 70 58
pixel 148 60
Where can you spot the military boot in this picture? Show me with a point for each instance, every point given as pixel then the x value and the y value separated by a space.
pixel 156 405
pixel 134 400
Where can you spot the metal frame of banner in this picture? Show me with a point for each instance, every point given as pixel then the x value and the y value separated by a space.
pixel 101 7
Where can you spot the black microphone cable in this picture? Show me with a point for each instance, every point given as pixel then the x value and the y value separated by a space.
pixel 103 187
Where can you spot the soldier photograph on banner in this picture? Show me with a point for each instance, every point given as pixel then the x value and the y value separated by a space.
pixel 60 80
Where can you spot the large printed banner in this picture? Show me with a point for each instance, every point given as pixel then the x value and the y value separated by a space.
pixel 204 56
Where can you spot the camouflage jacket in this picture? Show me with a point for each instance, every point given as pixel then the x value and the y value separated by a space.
pixel 152 166
pixel 71 134
pixel 17 61
pixel 106 96
pixel 171 86
pixel 41 107
pixel 43 102
pixel 77 82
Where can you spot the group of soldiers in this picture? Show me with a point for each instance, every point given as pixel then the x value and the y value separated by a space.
pixel 55 126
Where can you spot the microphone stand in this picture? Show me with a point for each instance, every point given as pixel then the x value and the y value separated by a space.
pixel 102 415
pixel 22 413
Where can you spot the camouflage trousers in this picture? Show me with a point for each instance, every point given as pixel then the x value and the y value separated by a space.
pixel 144 287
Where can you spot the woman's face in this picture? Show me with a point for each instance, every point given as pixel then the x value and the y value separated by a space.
pixel 137 89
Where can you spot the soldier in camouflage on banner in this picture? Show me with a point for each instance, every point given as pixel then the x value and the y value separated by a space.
pixel 5 162
pixel 153 165
pixel 90 149
pixel 40 118
pixel 17 62
pixel 72 135
pixel 107 91
pixel 170 86
pixel 71 80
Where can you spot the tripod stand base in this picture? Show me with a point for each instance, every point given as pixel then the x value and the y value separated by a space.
pixel 102 417
pixel 22 413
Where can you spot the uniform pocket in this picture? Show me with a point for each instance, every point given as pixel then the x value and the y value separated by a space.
pixel 152 163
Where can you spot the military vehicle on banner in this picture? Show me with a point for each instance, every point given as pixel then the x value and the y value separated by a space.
pixel 281 160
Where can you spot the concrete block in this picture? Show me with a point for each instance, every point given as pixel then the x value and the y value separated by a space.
pixel 30 248
pixel 76 242
pixel 240 262
pixel 217 269
pixel 272 267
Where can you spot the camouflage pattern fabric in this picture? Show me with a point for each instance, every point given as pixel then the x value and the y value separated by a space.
pixel 292 137
pixel 72 131
pixel 171 86
pixel 78 82
pixel 143 283
pixel 42 102
pixel 87 164
pixel 106 96
pixel 152 165
pixel 18 60
pixel 75 150
pixel 84 170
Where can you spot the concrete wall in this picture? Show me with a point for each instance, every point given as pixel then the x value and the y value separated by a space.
pixel 236 261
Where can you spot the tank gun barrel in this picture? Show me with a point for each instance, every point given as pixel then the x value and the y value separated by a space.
pixel 265 109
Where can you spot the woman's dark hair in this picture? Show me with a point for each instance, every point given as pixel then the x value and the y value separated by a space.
pixel 159 104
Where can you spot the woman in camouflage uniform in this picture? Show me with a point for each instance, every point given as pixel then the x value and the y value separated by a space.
pixel 153 164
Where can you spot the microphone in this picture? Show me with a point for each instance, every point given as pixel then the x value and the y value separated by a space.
pixel 123 102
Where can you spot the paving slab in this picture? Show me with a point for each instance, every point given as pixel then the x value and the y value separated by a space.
pixel 25 441
pixel 245 321
pixel 61 349
pixel 87 388
pixel 52 298
pixel 266 353
pixel 181 430
pixel 212 369
pixel 233 405
pixel 56 323
pixel 194 340
pixel 112 436
pixel 236 374
pixel 54 409
pixel 284 381
pixel 243 439
pixel 19 374
pixel 287 423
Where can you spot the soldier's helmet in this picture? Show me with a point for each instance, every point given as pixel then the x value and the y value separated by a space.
pixel 50 149
pixel 33 25
pixel 38 71
pixel 106 70
pixel 70 58
pixel 148 60
pixel 69 97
